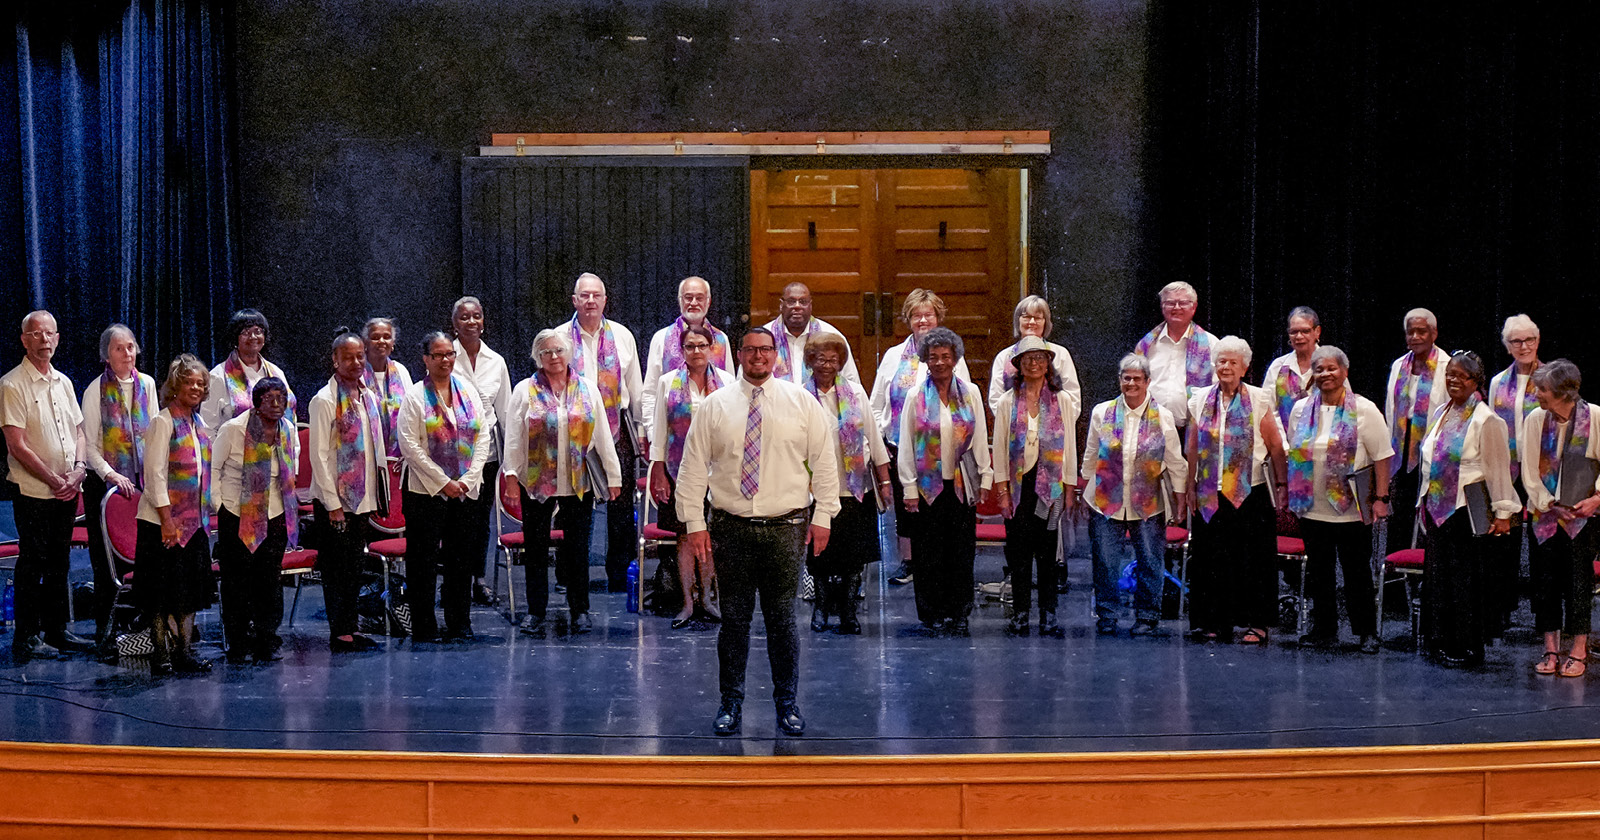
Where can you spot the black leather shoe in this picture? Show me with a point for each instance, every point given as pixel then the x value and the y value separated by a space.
pixel 1017 626
pixel 532 625
pixel 458 635
pixel 901 576
pixel 1106 627
pixel 1369 644
pixel 727 720
pixel 849 625
pixel 482 595
pixel 581 623
pixel 70 642
pixel 355 645
pixel 185 662
pixel 1049 627
pixel 1143 627
pixel 267 653
pixel 790 722
pixel 819 619
pixel 32 647
pixel 960 627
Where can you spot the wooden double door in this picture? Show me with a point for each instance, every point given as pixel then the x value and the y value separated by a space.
pixel 863 238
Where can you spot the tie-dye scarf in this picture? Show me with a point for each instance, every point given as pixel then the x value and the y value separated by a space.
pixel 853 444
pixel 1545 524
pixel 451 431
pixel 672 347
pixel 255 482
pixel 1415 407
pixel 1197 370
pixel 393 391
pixel 353 436
pixel 608 377
pixel 238 385
pixel 1227 476
pixel 904 376
pixel 1444 475
pixel 1512 410
pixel 1149 454
pixel 1052 446
pixel 188 480
pixel 1287 388
pixel 680 411
pixel 926 440
pixel 546 410
pixel 1338 459
pixel 784 366
pixel 122 426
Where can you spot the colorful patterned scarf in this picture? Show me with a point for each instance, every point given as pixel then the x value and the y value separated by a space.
pixel 1444 474
pixel 394 390
pixel 609 376
pixel 672 347
pixel 1052 446
pixel 1545 524
pixel 1287 388
pixel 782 367
pixel 255 481
pixel 904 376
pixel 451 432
pixel 853 443
pixel 122 426
pixel 1338 460
pixel 353 434
pixel 1197 370
pixel 188 480
pixel 1418 412
pixel 680 411
pixel 1506 405
pixel 238 385
pixel 1235 444
pixel 925 437
pixel 1149 455
pixel 544 409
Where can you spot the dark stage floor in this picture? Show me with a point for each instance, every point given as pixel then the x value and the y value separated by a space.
pixel 634 686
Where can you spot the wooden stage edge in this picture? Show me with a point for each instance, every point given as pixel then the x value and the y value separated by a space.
pixel 1519 790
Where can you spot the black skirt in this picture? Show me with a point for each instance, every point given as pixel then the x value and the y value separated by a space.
pixel 172 581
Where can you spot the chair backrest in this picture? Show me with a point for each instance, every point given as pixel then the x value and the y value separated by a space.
pixel 513 511
pixel 395 522
pixel 987 508
pixel 81 503
pixel 302 470
pixel 1288 524
pixel 119 520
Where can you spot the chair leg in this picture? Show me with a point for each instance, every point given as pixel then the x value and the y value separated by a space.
pixel 1303 613
pixel 295 604
pixel 384 562
pixel 1383 579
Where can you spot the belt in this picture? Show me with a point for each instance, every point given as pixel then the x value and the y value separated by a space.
pixel 793 517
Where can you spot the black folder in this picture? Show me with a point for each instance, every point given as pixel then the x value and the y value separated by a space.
pixel 1479 512
pixel 1360 484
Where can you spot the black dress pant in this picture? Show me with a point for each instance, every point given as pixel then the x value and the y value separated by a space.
pixel 1350 545
pixel 105 579
pixel 44 537
pixel 757 559
pixel 1029 543
pixel 476 527
pixel 905 521
pixel 339 564
pixel 252 583
pixel 574 517
pixel 1563 581
pixel 942 552
pixel 1454 599
pixel 1403 490
pixel 622 535
pixel 439 541
pixel 1233 566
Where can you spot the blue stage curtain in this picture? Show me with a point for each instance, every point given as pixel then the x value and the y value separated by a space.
pixel 117 153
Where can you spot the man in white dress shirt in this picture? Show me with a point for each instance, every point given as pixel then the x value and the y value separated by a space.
pixel 793 328
pixel 45 452
pixel 1179 352
pixel 1415 390
pixel 694 303
pixel 764 449
pixel 590 329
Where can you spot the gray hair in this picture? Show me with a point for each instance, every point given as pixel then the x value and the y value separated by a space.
pixel 31 316
pixel 463 301
pixel 1231 344
pixel 549 335
pixel 380 321
pixel 1559 377
pixel 1134 361
pixel 1328 351
pixel 110 334
pixel 1425 315
pixel 940 337
pixel 1032 304
pixel 1307 313
pixel 1175 287
pixel 695 278
pixel 588 276
pixel 1517 323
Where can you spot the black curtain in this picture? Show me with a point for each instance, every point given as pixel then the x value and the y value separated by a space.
pixel 1364 159
pixel 116 150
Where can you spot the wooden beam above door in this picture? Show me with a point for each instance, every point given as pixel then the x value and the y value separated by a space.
pixel 771 143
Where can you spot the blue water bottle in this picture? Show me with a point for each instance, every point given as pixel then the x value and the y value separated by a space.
pixel 633 585
pixel 8 605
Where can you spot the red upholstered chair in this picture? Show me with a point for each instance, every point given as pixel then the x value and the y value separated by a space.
pixel 509 549
pixel 1292 549
pixel 80 531
pixel 651 535
pixel 302 471
pixel 119 522
pixel 1403 565
pixel 1178 543
pixel 297 563
pixel 390 548
pixel 991 533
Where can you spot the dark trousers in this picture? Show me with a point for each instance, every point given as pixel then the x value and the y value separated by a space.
pixel 252 588
pixel 1403 519
pixel 1350 545
pixel 439 540
pixel 105 578
pixel 574 517
pixel 44 537
pixel 622 535
pixel 339 564
pixel 1453 596
pixel 1030 543
pixel 1233 566
pixel 1504 568
pixel 1148 539
pixel 905 521
pixel 942 552
pixel 852 543
pixel 1562 568
pixel 756 559
pixel 476 527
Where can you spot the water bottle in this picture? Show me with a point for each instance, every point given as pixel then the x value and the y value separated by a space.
pixel 633 585
pixel 8 605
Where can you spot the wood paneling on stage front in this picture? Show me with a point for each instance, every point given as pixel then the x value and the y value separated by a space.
pixel 1494 791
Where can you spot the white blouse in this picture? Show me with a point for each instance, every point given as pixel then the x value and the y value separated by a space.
pixel 91 418
pixel 1372 445
pixel 1540 499
pixel 1261 413
pixel 949 460
pixel 1485 456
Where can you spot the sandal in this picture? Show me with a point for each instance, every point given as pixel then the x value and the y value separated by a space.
pixel 1571 666
pixel 1548 664
pixel 1253 637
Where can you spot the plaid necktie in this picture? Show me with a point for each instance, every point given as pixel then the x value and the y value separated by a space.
pixel 750 464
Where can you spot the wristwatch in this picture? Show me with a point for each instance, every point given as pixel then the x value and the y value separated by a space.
pixel 1384 498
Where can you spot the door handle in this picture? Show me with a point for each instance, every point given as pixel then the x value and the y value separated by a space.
pixel 869 313
pixel 886 313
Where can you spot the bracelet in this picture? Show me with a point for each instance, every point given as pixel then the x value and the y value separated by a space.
pixel 1384 498
pixel 883 482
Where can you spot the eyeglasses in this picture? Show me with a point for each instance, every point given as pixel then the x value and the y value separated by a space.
pixel 1522 342
pixel 44 335
pixel 696 348
pixel 767 350
pixel 441 356
pixel 252 332
pixel 551 352
pixel 590 295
